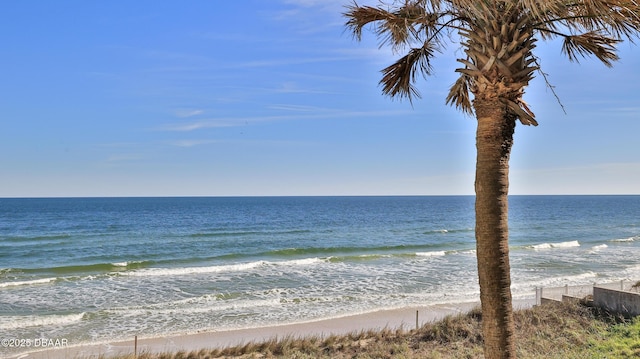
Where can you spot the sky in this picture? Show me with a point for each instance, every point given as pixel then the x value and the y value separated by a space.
pixel 275 98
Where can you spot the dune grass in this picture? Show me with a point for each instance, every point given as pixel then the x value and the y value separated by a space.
pixel 562 330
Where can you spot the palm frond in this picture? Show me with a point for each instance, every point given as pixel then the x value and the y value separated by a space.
pixel 398 79
pixel 617 18
pixel 591 43
pixel 540 11
pixel 397 28
pixel 522 111
pixel 360 16
pixel 459 95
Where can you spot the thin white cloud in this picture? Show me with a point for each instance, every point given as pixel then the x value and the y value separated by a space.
pixel 314 3
pixel 335 7
pixel 213 123
pixel 192 143
pixel 296 108
pixel 293 87
pixel 184 113
pixel 236 37
pixel 127 157
pixel 118 145
pixel 367 53
pixel 315 17
pixel 287 61
pixel 629 110
pixel 244 121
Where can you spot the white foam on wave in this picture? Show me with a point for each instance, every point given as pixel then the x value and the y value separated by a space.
pixel 599 247
pixel 194 306
pixel 298 262
pixel 553 282
pixel 570 244
pixel 17 322
pixel 239 267
pixel 579 277
pixel 630 239
pixel 632 272
pixel 431 254
pixel 27 282
pixel 126 264
pixel 149 272
pixel 375 256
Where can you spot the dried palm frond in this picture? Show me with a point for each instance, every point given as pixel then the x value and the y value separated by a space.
pixel 459 95
pixel 522 111
pixel 396 28
pixel 591 43
pixel 398 79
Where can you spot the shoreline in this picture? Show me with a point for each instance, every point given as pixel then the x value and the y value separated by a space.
pixel 402 318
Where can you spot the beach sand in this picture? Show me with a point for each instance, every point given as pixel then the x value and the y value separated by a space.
pixel 404 318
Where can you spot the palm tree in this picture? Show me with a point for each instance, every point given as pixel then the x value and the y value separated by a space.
pixel 498 39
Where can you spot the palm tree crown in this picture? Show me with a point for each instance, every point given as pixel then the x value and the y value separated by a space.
pixel 498 38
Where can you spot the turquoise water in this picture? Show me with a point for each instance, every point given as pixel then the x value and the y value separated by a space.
pixel 99 269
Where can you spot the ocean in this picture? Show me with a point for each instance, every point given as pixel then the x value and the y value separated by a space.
pixel 93 270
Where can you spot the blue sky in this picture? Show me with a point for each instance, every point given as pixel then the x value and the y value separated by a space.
pixel 225 98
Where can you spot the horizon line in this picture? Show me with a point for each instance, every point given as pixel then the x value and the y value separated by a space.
pixel 320 196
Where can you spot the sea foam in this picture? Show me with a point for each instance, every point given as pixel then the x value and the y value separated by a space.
pixel 239 267
pixel 569 244
pixel 130 264
pixel 27 282
pixel 148 272
pixel 16 322
pixel 630 239
pixel 431 254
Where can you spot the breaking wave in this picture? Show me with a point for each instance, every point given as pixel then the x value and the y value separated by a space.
pixel 570 244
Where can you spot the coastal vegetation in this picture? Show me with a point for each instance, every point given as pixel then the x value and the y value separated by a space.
pixel 558 330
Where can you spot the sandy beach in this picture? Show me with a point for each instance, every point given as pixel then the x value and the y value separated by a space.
pixel 396 318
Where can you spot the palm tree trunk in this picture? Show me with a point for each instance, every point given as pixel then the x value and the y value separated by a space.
pixel 494 139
